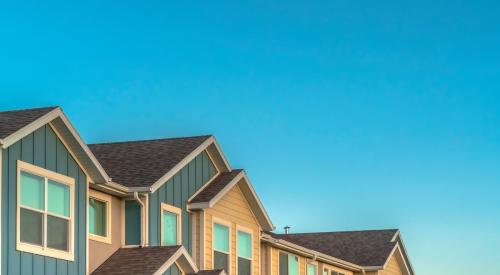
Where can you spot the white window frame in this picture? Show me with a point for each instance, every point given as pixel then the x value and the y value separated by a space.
pixel 59 178
pixel 249 231
pixel 314 264
pixel 227 224
pixel 289 254
pixel 178 212
pixel 105 198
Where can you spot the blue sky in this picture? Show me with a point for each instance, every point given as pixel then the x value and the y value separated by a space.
pixel 347 114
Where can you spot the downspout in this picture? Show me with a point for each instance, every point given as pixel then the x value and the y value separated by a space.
pixel 136 197
pixel 363 270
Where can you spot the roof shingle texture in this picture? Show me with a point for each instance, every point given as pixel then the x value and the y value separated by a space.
pixel 214 187
pixel 364 248
pixel 137 261
pixel 142 163
pixel 11 121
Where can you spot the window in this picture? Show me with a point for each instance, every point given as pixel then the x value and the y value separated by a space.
pixel 311 269
pixel 288 264
pixel 45 212
pixel 244 249
pixel 99 216
pixel 221 246
pixel 170 225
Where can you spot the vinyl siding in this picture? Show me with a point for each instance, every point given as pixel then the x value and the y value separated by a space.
pixel 233 208
pixel 392 268
pixel 176 192
pixel 44 149
pixel 132 222
pixel 173 270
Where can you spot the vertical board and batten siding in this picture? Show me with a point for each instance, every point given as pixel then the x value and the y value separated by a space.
pixel 44 149
pixel 176 191
pixel 233 208
pixel 132 222
pixel 173 270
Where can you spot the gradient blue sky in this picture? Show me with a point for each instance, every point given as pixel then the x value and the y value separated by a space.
pixel 347 114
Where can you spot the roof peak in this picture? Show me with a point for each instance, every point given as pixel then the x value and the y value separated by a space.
pixel 150 140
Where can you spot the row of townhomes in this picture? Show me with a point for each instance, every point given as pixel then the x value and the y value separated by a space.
pixel 166 206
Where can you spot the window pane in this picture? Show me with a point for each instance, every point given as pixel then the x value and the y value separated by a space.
pixel 97 217
pixel 221 238
pixel 293 265
pixel 244 245
pixel 169 226
pixel 244 266
pixel 325 272
pixel 283 264
pixel 221 261
pixel 311 269
pixel 57 233
pixel 334 273
pixel 32 191
pixel 31 226
pixel 58 198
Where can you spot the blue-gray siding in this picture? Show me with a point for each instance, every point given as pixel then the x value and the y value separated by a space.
pixel 132 222
pixel 44 149
pixel 173 270
pixel 176 192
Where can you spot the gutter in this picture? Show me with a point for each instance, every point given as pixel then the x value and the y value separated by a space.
pixel 136 197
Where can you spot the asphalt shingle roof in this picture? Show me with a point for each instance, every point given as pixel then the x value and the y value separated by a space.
pixel 11 121
pixel 214 187
pixel 142 163
pixel 364 248
pixel 137 260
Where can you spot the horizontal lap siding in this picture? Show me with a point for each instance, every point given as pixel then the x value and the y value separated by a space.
pixel 233 208
pixel 392 268
pixel 44 149
pixel 176 192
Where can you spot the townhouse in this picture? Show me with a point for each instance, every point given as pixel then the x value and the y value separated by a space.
pixel 167 206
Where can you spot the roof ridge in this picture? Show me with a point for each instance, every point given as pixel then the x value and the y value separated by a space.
pixel 330 232
pixel 30 109
pixel 148 140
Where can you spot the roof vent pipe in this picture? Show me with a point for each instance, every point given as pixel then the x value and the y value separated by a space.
pixel 287 230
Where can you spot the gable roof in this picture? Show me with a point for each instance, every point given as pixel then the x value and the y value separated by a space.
pixel 213 191
pixel 145 164
pixel 14 125
pixel 369 248
pixel 12 121
pixel 146 261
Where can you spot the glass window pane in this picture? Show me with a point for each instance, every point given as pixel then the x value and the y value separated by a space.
pixel 57 233
pixel 169 226
pixel 244 245
pixel 32 191
pixel 293 265
pixel 244 266
pixel 58 198
pixel 221 261
pixel 334 273
pixel 97 217
pixel 31 226
pixel 325 272
pixel 221 238
pixel 283 264
pixel 311 269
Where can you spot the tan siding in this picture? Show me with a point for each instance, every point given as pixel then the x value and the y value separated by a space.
pixel 99 251
pixel 392 268
pixel 337 269
pixel 233 208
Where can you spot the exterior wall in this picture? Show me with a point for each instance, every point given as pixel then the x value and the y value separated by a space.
pixel 234 209
pixel 132 222
pixel 176 192
pixel 100 251
pixel 173 270
pixel 334 268
pixel 392 268
pixel 44 149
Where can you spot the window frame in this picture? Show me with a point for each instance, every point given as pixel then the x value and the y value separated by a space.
pixel 107 200
pixel 47 175
pixel 289 254
pixel 178 212
pixel 250 232
pixel 313 264
pixel 227 224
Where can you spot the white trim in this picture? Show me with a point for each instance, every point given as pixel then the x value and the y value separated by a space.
pixel 204 186
pixel 190 268
pixel 289 254
pixel 43 249
pixel 249 231
pixel 202 239
pixel 223 222
pixel 178 212
pixel 87 264
pixel 107 200
pixel 1 195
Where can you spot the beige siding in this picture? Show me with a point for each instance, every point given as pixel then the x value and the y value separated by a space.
pixel 233 209
pixel 392 268
pixel 334 268
pixel 99 251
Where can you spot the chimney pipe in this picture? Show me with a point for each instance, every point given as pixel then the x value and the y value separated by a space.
pixel 287 229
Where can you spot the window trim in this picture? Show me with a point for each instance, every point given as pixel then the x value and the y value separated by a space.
pixel 249 231
pixel 59 178
pixel 289 254
pixel 314 264
pixel 107 200
pixel 178 212
pixel 227 224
